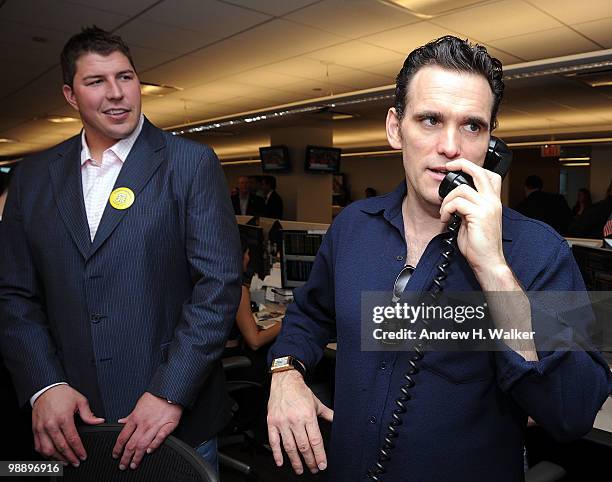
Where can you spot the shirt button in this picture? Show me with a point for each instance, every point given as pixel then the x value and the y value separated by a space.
pixel 383 365
pixel 96 317
pixel 372 419
pixel 399 258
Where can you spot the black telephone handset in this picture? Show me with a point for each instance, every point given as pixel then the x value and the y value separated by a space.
pixel 498 159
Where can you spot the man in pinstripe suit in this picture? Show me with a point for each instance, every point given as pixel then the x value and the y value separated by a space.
pixel 119 272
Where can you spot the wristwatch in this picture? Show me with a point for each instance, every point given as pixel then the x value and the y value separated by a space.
pixel 288 362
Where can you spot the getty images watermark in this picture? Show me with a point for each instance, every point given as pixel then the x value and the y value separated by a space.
pixel 405 313
pixel 477 321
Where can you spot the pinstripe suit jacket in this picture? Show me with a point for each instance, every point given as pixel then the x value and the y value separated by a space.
pixel 147 305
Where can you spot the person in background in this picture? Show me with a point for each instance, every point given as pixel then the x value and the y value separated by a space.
pixel 549 208
pixel 370 192
pixel 583 202
pixel 273 201
pixel 245 328
pixel 255 185
pixel 592 221
pixel 4 184
pixel 247 339
pixel 245 202
pixel 17 420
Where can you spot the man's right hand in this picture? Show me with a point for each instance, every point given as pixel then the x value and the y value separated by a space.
pixel 292 416
pixel 55 434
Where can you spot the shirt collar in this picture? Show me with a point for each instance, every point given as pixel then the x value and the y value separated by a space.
pixel 390 207
pixel 121 149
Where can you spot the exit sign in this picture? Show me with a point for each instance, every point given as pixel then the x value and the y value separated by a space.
pixel 550 151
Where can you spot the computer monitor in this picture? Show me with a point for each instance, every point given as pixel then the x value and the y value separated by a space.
pixel 242 219
pixel 595 265
pixel 303 226
pixel 271 229
pixel 257 253
pixel 298 251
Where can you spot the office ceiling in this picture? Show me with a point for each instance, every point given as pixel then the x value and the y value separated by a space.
pixel 235 56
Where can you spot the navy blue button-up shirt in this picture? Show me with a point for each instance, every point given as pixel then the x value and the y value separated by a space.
pixel 467 414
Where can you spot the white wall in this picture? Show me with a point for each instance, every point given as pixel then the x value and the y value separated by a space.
pixel 601 170
pixel 382 173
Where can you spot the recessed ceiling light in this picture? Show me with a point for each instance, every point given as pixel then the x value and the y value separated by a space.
pixel 157 90
pixel 342 116
pixel 427 9
pixel 60 119
pixel 6 140
pixel 602 83
pixel 598 78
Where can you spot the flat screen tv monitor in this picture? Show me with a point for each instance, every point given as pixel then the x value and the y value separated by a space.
pixel 322 159
pixel 275 159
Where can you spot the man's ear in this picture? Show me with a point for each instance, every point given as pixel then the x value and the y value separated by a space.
pixel 70 97
pixel 394 134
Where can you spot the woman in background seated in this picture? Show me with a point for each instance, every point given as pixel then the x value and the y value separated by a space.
pixel 246 338
pixel 583 202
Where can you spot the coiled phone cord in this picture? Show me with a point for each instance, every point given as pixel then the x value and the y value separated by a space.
pixel 448 249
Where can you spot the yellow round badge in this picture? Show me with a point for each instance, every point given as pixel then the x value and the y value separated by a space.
pixel 122 198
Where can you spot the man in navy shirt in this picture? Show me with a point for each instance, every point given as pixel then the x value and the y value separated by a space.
pixel 466 414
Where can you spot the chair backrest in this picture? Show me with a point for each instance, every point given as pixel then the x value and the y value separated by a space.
pixel 174 461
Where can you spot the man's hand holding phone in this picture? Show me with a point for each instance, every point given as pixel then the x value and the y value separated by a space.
pixel 480 235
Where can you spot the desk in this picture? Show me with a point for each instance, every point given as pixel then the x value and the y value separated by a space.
pixel 603 421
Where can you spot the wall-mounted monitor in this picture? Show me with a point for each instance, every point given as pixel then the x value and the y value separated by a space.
pixel 275 159
pixel 322 159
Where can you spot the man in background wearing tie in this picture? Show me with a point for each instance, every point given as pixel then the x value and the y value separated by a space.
pixel 119 272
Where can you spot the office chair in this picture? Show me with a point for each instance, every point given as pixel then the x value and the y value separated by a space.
pixel 545 471
pixel 236 433
pixel 173 461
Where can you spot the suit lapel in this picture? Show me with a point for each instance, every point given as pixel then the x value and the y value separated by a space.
pixel 65 171
pixel 142 162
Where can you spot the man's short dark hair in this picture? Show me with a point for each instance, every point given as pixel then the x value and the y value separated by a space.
pixel 534 182
pixel 270 181
pixel 451 53
pixel 90 40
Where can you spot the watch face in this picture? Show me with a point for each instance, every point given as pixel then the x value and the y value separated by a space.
pixel 280 362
